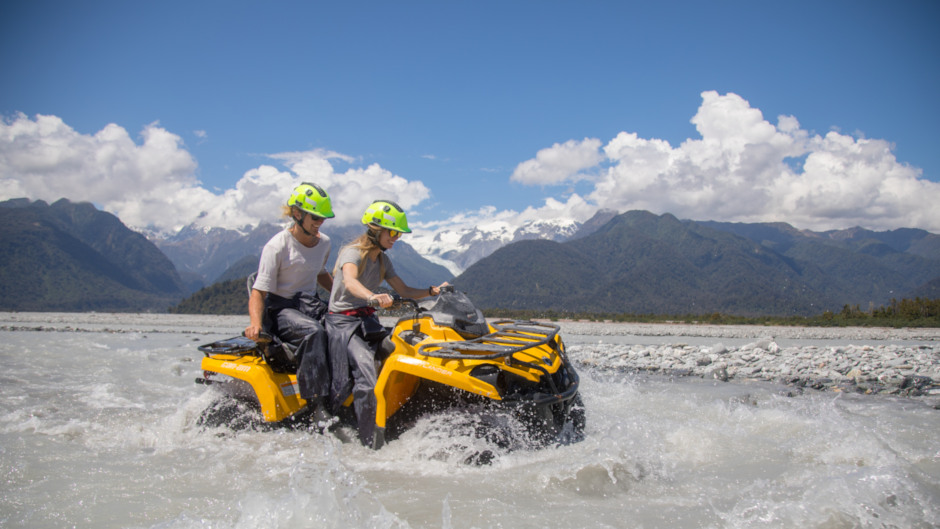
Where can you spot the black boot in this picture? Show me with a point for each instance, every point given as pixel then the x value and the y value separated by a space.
pixel 321 413
pixel 317 413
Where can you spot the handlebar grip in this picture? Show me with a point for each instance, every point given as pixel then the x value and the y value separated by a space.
pixel 374 303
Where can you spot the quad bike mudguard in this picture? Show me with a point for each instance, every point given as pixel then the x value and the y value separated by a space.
pixel 277 393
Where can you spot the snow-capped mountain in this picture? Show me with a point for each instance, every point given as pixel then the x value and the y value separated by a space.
pixel 458 249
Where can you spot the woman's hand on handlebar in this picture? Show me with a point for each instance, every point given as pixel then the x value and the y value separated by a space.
pixel 382 300
pixel 436 291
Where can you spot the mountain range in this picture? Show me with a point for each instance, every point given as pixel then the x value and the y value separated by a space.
pixel 642 263
pixel 71 256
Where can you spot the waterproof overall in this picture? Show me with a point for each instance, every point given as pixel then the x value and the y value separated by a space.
pixel 354 342
pixel 297 321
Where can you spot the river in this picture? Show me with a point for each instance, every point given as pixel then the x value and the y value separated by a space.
pixel 98 428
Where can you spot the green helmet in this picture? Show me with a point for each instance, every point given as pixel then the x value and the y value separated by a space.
pixel 312 199
pixel 386 214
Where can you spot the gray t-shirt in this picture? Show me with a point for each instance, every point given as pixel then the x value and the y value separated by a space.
pixel 340 298
pixel 287 267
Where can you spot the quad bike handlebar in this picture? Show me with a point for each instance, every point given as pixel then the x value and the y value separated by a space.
pixel 398 301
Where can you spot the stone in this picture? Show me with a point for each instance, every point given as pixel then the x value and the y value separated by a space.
pixel 719 373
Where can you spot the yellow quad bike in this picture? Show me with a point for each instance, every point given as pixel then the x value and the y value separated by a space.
pixel 445 348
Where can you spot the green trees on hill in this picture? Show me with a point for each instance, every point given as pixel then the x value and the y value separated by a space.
pixel 911 309
pixel 224 297
pixel 230 297
pixel 915 312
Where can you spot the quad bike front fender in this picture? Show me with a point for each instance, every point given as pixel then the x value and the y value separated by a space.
pixel 401 375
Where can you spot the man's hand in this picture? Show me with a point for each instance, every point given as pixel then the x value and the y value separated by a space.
pixel 252 332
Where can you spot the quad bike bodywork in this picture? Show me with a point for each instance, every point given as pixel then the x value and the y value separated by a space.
pixel 445 344
pixel 243 366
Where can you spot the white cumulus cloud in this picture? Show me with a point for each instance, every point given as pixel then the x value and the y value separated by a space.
pixel 559 163
pixel 745 169
pixel 153 184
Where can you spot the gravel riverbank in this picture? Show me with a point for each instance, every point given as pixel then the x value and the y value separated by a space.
pixel 862 334
pixel 865 360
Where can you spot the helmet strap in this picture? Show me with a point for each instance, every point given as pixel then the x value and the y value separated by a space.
pixel 375 235
pixel 300 222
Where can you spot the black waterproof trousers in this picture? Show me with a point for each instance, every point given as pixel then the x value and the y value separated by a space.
pixel 355 367
pixel 298 321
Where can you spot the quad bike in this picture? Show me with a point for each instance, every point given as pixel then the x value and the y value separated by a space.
pixel 446 347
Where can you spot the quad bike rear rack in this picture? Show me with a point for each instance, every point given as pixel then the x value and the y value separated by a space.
pixel 510 337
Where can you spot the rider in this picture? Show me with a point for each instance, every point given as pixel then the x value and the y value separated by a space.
pixel 354 330
pixel 284 295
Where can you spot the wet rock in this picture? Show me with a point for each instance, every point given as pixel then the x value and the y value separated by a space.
pixel 915 382
pixel 719 349
pixel 719 373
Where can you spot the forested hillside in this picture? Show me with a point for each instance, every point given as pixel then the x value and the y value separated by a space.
pixel 72 257
pixel 643 263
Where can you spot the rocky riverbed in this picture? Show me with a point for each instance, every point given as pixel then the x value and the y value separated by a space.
pixel 904 362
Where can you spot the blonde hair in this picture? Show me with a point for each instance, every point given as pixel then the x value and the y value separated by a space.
pixel 365 243
pixel 288 211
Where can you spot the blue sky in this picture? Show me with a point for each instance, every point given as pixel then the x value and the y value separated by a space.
pixel 468 111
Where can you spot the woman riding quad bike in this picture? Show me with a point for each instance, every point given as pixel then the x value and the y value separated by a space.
pixel 445 345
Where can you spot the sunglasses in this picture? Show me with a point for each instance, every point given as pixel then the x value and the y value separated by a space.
pixel 394 234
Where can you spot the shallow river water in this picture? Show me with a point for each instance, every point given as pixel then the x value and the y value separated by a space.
pixel 98 429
